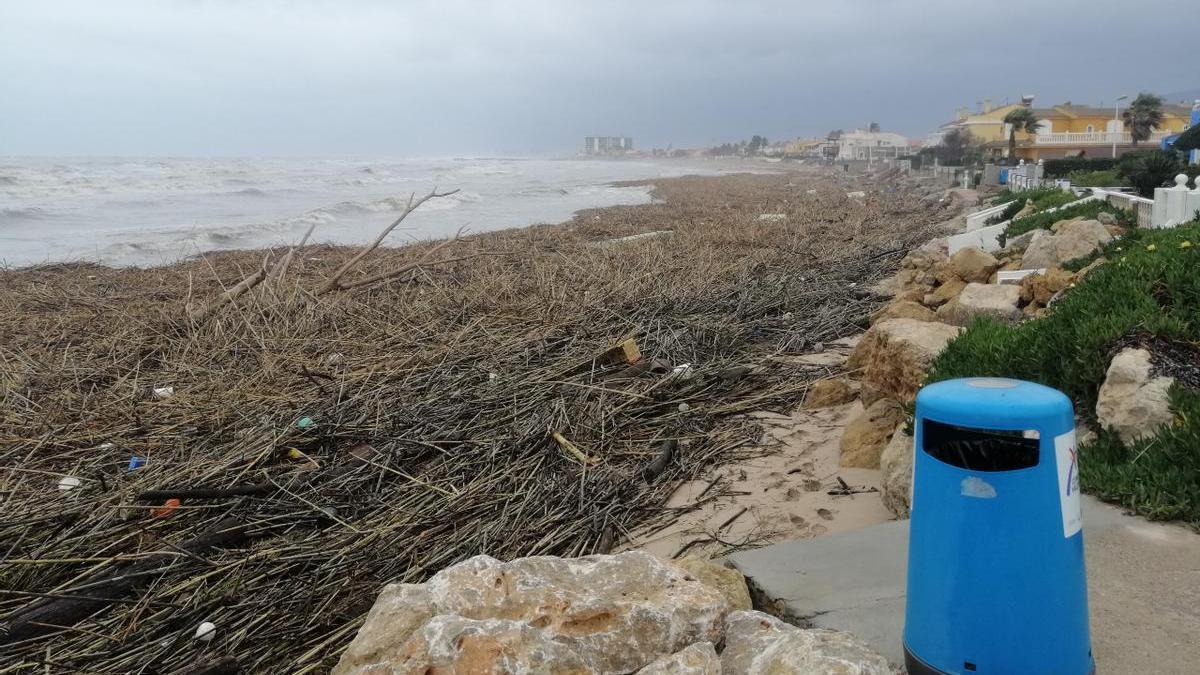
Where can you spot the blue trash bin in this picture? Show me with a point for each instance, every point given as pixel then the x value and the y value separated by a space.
pixel 996 580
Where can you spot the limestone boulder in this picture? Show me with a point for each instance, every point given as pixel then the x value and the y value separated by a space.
pixel 896 471
pixel 727 581
pixel 698 659
pixel 1132 401
pixel 1074 239
pixel 828 393
pixel 614 613
pixel 945 293
pixel 1091 267
pixel 894 355
pixel 1106 218
pixel 998 301
pixel 759 644
pixel 903 309
pixel 868 432
pixel 1021 241
pixel 453 644
pixel 1037 289
pixel 973 264
pixel 1026 210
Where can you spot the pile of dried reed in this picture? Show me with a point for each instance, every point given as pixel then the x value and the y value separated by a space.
pixel 319 446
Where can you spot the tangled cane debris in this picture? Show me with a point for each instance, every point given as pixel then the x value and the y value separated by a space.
pixel 318 444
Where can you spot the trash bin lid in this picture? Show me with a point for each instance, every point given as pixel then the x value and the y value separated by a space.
pixel 994 403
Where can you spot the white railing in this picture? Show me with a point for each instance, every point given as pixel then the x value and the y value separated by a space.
pixel 1093 138
pixel 979 218
pixel 1177 204
pixel 1143 209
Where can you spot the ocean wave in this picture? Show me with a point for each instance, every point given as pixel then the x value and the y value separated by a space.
pixel 25 213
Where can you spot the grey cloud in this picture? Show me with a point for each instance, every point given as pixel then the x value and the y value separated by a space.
pixel 434 78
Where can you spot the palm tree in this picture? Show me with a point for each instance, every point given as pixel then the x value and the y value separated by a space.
pixel 1142 116
pixel 1019 119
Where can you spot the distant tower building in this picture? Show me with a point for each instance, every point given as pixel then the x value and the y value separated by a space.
pixel 607 145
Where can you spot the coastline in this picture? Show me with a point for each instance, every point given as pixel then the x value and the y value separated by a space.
pixel 466 407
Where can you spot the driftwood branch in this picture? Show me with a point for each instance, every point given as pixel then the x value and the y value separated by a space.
pixel 231 294
pixel 282 267
pixel 334 282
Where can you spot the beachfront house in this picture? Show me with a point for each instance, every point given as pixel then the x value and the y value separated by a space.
pixel 1065 130
pixel 871 145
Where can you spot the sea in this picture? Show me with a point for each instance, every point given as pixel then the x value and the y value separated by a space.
pixel 155 211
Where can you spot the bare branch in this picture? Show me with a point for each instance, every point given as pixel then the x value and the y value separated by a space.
pixel 335 282
pixel 231 294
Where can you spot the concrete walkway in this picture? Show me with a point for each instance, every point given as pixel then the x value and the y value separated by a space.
pixel 1143 588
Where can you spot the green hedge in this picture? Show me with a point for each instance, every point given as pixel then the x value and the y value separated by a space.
pixel 1149 286
pixel 1043 198
pixel 1057 168
pixel 1041 221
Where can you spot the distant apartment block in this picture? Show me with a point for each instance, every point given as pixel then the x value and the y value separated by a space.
pixel 607 145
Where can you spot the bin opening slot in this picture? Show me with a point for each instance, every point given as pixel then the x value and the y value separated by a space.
pixel 979 449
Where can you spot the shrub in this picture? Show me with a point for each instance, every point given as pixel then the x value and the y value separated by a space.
pixel 1057 168
pixel 1108 178
pixel 1149 169
pixel 1090 209
pixel 1149 286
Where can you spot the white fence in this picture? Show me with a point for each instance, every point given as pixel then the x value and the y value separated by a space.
pixel 1177 204
pixel 1143 209
pixel 979 218
pixel 1093 138
pixel 1025 176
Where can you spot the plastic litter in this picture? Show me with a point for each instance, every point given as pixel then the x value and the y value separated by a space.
pixel 67 483
pixel 683 407
pixel 161 393
pixel 206 631
pixel 136 462
pixel 305 423
pixel 166 509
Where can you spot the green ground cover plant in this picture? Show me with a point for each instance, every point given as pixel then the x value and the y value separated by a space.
pixel 1149 290
pixel 1090 209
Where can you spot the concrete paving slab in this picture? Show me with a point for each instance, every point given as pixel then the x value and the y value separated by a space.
pixel 1143 587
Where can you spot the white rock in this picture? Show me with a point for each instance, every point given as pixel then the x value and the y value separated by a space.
pixel 759 644
pixel 617 613
pixel 998 301
pixel 698 659
pixel 1132 402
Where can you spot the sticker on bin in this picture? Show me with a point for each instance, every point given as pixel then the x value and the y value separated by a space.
pixel 1067 456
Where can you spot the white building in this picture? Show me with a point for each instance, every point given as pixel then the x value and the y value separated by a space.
pixel 870 145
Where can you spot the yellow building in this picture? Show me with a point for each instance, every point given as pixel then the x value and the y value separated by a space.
pixel 1066 130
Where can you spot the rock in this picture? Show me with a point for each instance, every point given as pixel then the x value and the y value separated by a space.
pixel 828 393
pixel 760 644
pixel 615 613
pixel 1132 402
pixel 1026 210
pixel 1059 224
pixel 398 612
pixel 914 293
pixel 1021 241
pixel 698 659
pixel 998 301
pixel 727 581
pixel 894 354
pixel 1074 239
pixel 453 644
pixel 903 309
pixel 1091 267
pixel 1106 218
pixel 973 264
pixel 868 432
pixel 895 468
pixel 945 293
pixel 1037 289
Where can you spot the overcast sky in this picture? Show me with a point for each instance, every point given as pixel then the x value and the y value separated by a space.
pixel 449 77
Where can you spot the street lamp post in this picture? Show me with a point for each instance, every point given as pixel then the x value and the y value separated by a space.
pixel 1114 132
